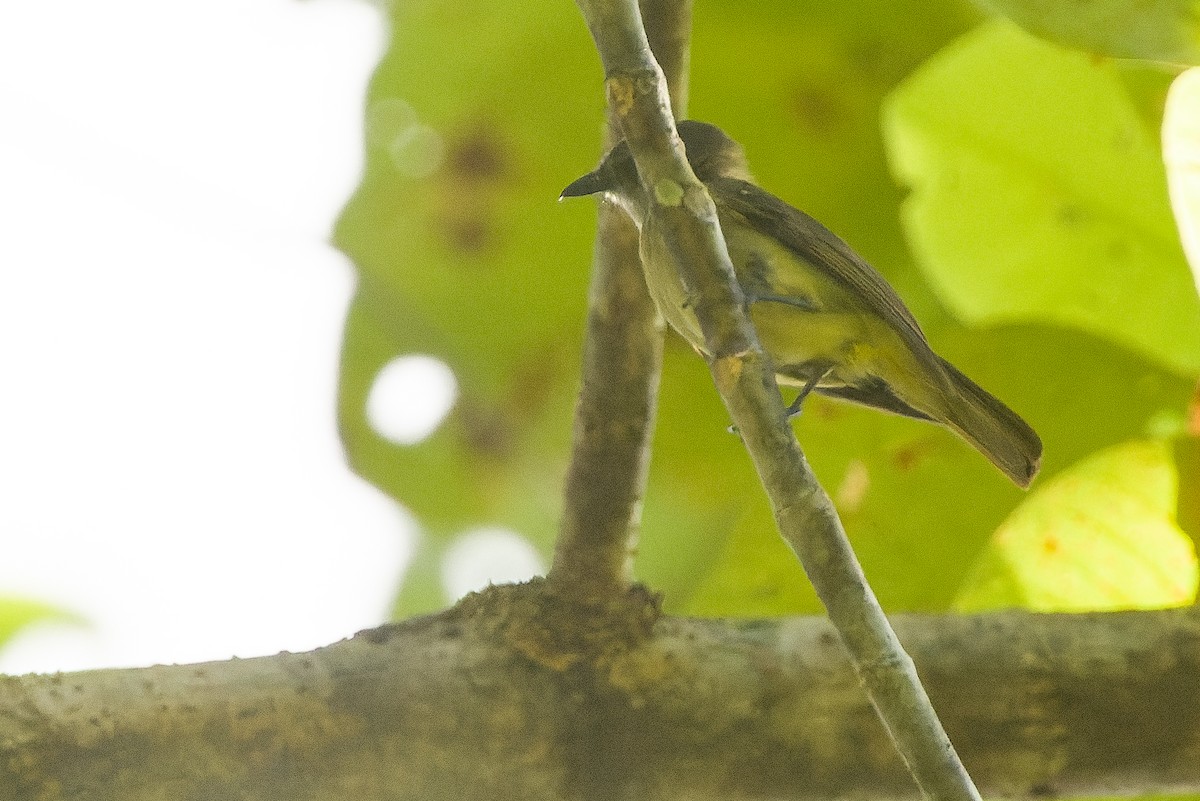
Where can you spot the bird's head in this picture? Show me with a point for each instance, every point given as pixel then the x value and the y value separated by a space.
pixel 710 152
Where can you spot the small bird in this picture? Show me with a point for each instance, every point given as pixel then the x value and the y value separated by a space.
pixel 830 323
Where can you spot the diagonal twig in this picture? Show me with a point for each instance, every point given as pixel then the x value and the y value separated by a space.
pixel 681 213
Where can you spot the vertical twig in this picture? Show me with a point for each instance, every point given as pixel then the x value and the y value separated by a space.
pixel 682 214
pixel 622 361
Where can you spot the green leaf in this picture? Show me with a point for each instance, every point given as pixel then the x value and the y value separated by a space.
pixel 1162 30
pixel 20 613
pixel 1099 536
pixel 1039 195
pixel 422 590
pixel 463 254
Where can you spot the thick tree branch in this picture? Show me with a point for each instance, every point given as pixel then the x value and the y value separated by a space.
pixel 622 360
pixel 614 419
pixel 682 222
pixel 487 701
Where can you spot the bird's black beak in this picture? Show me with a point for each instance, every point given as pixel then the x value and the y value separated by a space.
pixel 589 184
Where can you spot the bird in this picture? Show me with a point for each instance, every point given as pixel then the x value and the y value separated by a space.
pixel 830 323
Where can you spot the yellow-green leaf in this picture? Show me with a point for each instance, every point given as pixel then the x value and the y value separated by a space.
pixel 1102 535
pixel 19 613
pixel 1039 195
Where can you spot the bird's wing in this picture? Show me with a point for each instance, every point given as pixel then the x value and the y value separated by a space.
pixel 877 395
pixel 821 248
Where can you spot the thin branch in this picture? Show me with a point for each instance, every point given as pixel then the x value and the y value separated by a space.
pixel 668 26
pixel 682 218
pixel 473 704
pixel 622 361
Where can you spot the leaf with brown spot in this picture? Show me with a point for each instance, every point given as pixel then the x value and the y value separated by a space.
pixel 486 431
pixel 1099 536
pixel 819 111
pixel 479 156
pixel 468 233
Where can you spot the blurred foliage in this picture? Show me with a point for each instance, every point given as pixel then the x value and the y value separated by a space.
pixel 480 113
pixel 17 614
pixel 1157 30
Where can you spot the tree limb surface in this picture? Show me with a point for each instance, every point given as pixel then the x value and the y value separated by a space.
pixel 509 696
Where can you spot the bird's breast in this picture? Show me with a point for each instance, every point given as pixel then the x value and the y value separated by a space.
pixel 673 297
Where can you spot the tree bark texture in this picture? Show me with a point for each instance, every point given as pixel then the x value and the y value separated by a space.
pixel 518 693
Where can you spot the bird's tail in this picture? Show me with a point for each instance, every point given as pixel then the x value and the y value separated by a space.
pixel 992 427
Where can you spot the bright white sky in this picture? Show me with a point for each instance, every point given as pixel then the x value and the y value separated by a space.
pixel 170 315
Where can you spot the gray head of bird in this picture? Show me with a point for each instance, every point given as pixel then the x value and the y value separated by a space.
pixel 709 151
